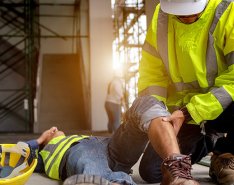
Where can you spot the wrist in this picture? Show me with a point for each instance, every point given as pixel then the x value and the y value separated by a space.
pixel 39 141
pixel 187 116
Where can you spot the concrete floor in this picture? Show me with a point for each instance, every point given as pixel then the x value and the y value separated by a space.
pixel 199 172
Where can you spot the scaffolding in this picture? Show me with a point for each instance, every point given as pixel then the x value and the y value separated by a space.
pixel 20 35
pixel 77 36
pixel 130 30
pixel 18 55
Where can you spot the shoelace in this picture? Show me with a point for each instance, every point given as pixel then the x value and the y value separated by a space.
pixel 179 167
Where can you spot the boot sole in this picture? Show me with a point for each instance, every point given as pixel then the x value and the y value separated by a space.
pixel 214 178
pixel 82 179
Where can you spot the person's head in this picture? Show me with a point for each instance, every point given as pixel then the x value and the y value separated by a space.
pixel 187 11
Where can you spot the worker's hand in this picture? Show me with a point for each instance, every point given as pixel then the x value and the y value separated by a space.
pixel 176 119
pixel 46 135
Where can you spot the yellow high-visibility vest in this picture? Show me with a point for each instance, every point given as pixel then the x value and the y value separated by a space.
pixel 191 64
pixel 53 152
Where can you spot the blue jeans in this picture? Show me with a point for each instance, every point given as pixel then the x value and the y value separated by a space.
pixel 129 142
pixel 89 156
pixel 114 116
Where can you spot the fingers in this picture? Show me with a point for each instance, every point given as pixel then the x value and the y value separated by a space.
pixel 46 135
pixel 168 119
pixel 53 130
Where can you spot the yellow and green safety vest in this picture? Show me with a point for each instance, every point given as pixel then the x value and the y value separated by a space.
pixel 53 152
pixel 191 64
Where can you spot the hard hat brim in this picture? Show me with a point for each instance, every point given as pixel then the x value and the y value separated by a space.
pixel 183 8
pixel 15 155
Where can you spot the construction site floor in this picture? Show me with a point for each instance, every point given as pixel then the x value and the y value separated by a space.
pixel 199 172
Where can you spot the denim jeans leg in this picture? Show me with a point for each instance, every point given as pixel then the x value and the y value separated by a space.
pixel 116 113
pixel 129 141
pixel 90 157
pixel 110 117
pixel 114 116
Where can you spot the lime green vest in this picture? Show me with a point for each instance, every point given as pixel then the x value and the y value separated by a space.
pixel 53 152
pixel 191 65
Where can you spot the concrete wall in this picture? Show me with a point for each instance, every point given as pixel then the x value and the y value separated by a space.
pixel 101 37
pixel 51 45
pixel 61 102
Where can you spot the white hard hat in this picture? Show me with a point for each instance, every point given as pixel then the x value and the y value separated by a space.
pixel 183 7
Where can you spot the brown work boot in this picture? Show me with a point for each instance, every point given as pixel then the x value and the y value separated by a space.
pixel 222 168
pixel 176 170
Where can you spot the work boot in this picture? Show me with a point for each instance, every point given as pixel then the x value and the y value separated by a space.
pixel 222 168
pixel 176 170
pixel 84 179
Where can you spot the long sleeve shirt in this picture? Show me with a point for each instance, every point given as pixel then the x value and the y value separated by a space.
pixel 40 165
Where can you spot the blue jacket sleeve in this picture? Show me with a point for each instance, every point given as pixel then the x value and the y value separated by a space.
pixel 40 165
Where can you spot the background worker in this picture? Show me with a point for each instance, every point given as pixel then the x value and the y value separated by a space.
pixel 61 157
pixel 114 101
pixel 186 93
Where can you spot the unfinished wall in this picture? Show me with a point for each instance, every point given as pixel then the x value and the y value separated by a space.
pixel 101 37
pixel 61 102
pixel 59 86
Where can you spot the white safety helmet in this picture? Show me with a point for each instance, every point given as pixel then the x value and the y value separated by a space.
pixel 183 7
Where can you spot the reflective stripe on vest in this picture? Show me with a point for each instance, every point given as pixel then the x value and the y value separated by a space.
pixel 230 58
pixel 150 49
pixel 222 96
pixel 160 91
pixel 53 152
pixel 211 65
pixel 211 59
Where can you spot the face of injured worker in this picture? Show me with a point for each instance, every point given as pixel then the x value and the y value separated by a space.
pixel 48 135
